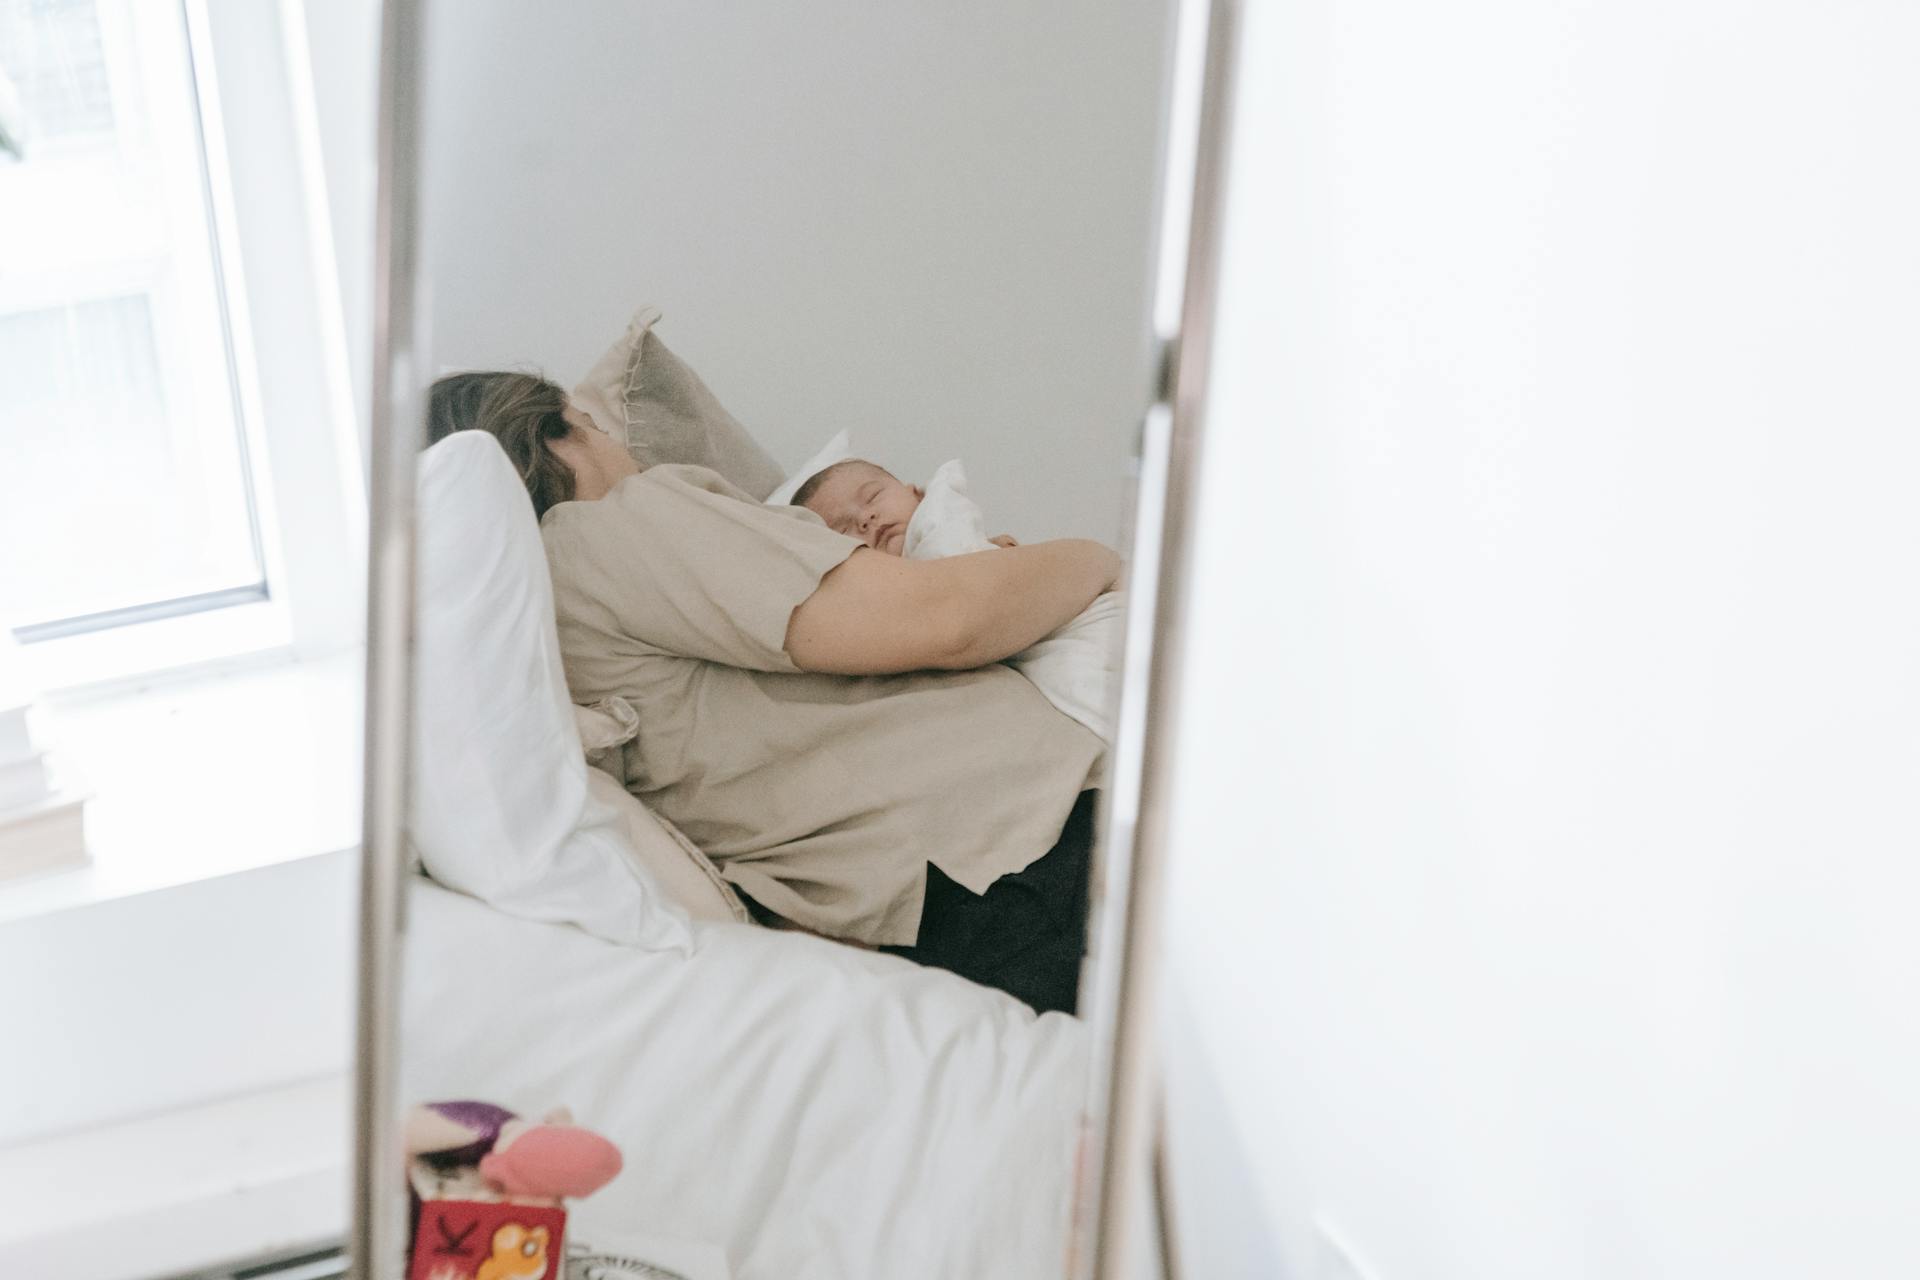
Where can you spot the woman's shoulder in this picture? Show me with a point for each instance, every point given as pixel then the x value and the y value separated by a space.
pixel 676 503
pixel 687 475
pixel 641 490
pixel 681 487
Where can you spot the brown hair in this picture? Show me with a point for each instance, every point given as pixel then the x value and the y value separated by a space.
pixel 521 411
pixel 804 494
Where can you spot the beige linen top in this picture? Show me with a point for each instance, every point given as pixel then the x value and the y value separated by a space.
pixel 822 797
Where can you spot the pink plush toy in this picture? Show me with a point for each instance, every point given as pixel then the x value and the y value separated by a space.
pixel 552 1157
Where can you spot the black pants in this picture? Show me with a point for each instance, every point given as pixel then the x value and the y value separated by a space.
pixel 1027 933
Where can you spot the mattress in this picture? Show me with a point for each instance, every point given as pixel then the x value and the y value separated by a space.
pixel 805 1108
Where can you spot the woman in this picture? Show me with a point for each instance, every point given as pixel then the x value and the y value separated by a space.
pixel 829 723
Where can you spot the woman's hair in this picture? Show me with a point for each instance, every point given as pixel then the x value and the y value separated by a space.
pixel 521 411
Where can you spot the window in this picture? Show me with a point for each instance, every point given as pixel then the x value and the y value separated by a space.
pixel 137 429
pixel 126 472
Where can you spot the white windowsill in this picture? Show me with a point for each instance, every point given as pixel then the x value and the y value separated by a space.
pixel 110 662
pixel 203 777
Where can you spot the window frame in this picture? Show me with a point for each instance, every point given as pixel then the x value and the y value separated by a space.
pixel 277 276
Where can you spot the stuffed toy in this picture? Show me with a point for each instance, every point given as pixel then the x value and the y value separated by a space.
pixel 549 1157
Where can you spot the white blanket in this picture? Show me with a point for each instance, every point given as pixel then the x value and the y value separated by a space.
pixel 811 1109
pixel 1077 666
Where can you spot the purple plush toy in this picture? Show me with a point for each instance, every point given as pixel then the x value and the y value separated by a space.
pixel 449 1133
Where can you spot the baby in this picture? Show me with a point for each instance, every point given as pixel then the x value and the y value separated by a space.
pixel 1075 667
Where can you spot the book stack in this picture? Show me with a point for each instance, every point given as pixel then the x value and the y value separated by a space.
pixel 41 824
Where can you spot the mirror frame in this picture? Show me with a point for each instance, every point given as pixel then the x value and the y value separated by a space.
pixel 1125 1117
pixel 377 1234
pixel 1122 1112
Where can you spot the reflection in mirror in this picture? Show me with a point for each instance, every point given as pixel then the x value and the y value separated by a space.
pixel 787 368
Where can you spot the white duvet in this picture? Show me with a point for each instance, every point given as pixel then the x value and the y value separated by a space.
pixel 1077 666
pixel 810 1109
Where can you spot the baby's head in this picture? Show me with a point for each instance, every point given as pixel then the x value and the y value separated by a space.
pixel 863 501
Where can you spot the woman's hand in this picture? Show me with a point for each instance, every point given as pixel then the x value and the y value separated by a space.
pixel 879 615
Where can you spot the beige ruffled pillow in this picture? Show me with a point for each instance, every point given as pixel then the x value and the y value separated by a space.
pixel 643 395
pixel 605 727
pixel 683 873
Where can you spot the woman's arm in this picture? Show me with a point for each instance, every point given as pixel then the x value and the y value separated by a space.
pixel 877 614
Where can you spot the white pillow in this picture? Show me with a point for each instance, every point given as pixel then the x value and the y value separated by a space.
pixel 501 809
pixel 838 449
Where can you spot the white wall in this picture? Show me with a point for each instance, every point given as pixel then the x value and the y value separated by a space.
pixel 929 223
pixel 1546 886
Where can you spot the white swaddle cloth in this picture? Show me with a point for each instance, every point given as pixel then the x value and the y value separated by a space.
pixel 1075 667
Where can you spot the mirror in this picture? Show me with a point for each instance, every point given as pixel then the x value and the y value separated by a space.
pixel 782 372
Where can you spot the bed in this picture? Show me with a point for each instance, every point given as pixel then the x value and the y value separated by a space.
pixel 801 1107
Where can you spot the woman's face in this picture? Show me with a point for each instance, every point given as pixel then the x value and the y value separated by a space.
pixel 597 460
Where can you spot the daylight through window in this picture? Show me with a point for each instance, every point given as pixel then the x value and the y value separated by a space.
pixel 127 486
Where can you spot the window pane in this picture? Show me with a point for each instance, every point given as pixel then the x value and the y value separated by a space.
pixel 126 476
pixel 113 502
pixel 52 51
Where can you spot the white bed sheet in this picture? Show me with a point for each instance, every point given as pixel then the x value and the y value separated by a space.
pixel 812 1109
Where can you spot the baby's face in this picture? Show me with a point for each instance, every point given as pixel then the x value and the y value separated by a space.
pixel 865 502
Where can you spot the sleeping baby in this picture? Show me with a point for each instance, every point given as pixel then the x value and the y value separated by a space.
pixel 1075 667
